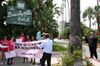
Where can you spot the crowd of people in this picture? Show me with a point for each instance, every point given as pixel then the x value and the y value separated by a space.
pixel 46 45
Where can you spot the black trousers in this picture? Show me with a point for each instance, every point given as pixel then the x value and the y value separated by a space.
pixel 93 52
pixel 46 56
pixel 9 60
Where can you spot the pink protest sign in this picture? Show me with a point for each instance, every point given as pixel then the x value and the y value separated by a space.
pixel 28 50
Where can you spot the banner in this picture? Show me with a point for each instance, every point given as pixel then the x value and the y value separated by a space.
pixel 28 50
pixel 1 46
pixel 10 54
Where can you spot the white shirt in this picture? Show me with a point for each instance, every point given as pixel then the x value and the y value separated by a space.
pixel 46 45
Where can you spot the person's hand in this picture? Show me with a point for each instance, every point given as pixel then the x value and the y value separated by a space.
pixel 39 42
pixel 35 45
pixel 8 51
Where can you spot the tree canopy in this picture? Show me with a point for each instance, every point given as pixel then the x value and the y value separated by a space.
pixel 43 12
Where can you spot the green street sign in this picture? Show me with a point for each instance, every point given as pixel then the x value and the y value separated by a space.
pixel 19 14
pixel 21 17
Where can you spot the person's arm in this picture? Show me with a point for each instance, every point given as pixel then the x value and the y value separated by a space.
pixel 8 47
pixel 42 45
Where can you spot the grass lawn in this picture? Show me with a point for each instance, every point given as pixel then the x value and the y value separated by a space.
pixel 58 47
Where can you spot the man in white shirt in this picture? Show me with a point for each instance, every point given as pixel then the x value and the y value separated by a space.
pixel 47 50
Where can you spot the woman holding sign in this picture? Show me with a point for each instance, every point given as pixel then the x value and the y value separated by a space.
pixel 22 37
pixel 27 40
pixel 10 49
pixel 4 42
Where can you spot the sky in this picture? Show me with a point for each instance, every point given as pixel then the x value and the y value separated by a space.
pixel 83 5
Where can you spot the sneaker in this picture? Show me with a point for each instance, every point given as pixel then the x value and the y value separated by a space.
pixel 11 62
pixel 2 63
pixel 8 63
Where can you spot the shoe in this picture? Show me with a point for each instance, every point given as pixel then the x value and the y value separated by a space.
pixel 8 63
pixel 91 57
pixel 11 62
pixel 2 63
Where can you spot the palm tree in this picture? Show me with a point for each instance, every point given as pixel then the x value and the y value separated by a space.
pixel 43 12
pixel 88 13
pixel 1 1
pixel 75 30
pixel 97 15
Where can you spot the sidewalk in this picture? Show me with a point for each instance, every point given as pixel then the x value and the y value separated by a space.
pixel 56 57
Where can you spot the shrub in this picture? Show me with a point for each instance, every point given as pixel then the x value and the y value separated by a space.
pixel 77 54
pixel 65 33
pixel 67 60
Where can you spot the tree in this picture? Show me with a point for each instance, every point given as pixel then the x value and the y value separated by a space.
pixel 88 13
pixel 1 1
pixel 75 30
pixel 43 12
pixel 2 12
pixel 2 17
pixel 97 15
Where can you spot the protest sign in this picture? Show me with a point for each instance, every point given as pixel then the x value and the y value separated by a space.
pixel 10 54
pixel 28 50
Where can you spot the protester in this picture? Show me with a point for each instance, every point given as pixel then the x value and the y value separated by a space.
pixel 32 38
pixel 4 42
pixel 33 59
pixel 43 35
pixel 38 35
pixel 92 41
pixel 22 37
pixel 47 50
pixel 11 47
pixel 27 40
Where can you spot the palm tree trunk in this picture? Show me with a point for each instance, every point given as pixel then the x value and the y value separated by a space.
pixel 90 23
pixel 75 30
pixel 98 18
pixel 98 22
